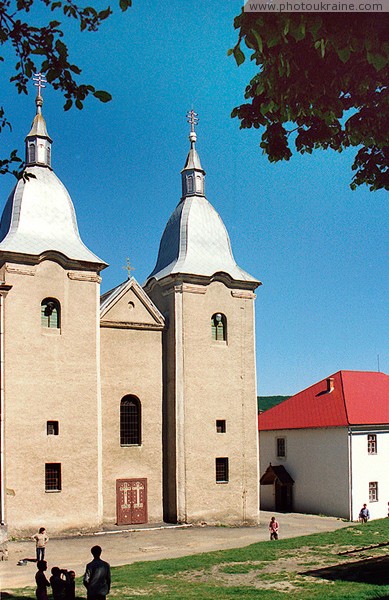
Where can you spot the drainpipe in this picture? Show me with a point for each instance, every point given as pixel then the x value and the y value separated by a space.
pixel 4 289
pixel 350 473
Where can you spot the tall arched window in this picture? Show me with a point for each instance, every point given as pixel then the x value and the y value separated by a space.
pixel 219 327
pixel 130 421
pixel 50 313
pixel 49 156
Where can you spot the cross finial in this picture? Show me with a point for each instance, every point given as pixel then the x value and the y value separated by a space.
pixel 128 268
pixel 193 119
pixel 39 82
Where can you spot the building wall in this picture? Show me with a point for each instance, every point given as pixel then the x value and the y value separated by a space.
pixel 51 374
pixel 131 363
pixel 212 381
pixel 368 468
pixel 317 460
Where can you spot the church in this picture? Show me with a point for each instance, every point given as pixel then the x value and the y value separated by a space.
pixel 135 406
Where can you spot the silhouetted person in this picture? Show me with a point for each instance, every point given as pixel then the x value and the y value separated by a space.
pixel 97 577
pixel 41 581
pixel 70 585
pixel 58 584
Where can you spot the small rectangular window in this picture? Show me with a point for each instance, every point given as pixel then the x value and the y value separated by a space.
pixel 281 447
pixel 220 426
pixel 52 428
pixel 222 470
pixel 372 443
pixel 53 477
pixel 373 491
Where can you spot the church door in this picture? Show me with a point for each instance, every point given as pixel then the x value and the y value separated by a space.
pixel 131 501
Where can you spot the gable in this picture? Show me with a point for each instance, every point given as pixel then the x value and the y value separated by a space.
pixel 128 306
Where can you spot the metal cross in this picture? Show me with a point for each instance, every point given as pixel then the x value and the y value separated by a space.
pixel 192 118
pixel 128 268
pixel 40 81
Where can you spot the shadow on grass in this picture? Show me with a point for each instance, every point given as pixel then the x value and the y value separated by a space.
pixel 371 570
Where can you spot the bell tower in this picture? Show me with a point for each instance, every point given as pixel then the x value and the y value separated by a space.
pixel 50 392
pixel 210 441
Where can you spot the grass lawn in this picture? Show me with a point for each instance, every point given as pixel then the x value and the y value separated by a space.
pixel 337 565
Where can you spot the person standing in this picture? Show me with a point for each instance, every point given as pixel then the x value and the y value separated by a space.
pixel 41 540
pixel 273 528
pixel 41 580
pixel 364 514
pixel 97 577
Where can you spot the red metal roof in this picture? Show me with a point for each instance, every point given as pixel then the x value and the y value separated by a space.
pixel 357 398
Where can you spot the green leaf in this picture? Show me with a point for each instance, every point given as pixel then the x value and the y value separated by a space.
pixel 124 4
pixel 344 54
pixel 377 60
pixel 238 55
pixel 68 104
pixel 102 96
pixel 258 38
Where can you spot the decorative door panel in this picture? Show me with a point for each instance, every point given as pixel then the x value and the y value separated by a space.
pixel 131 501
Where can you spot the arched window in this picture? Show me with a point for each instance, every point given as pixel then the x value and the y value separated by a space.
pixel 31 153
pixel 189 183
pixel 50 313
pixel 130 421
pixel 49 156
pixel 219 327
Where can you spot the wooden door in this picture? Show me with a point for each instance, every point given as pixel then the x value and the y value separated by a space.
pixel 131 501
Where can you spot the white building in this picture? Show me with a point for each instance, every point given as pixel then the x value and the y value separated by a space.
pixel 325 450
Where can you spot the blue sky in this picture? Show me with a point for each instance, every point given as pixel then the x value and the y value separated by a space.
pixel 320 249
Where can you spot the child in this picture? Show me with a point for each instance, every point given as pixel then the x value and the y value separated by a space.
pixel 70 585
pixel 41 581
pixel 58 585
pixel 41 540
pixel 273 528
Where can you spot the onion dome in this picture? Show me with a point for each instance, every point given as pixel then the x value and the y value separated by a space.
pixel 195 240
pixel 39 215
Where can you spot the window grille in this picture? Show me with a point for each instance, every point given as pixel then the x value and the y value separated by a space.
pixel 373 491
pixel 50 313
pixel 130 421
pixel 220 426
pixel 372 443
pixel 222 470
pixel 52 428
pixel 53 477
pixel 219 327
pixel 281 448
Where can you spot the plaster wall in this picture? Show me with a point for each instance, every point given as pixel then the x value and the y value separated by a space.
pixel 215 381
pixel 131 363
pixel 317 460
pixel 50 375
pixel 368 468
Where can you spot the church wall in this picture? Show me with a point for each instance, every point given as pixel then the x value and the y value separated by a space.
pixel 51 375
pixel 219 384
pixel 165 302
pixel 131 363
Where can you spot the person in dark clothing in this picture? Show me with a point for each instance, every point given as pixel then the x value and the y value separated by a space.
pixel 41 581
pixel 97 577
pixel 70 592
pixel 58 584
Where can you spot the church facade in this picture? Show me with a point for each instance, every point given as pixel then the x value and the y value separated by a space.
pixel 136 406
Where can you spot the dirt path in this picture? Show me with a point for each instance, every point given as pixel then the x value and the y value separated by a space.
pixel 120 548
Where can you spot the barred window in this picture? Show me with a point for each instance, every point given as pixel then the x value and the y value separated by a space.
pixel 372 443
pixel 373 491
pixel 281 447
pixel 130 421
pixel 220 425
pixel 219 327
pixel 52 428
pixel 50 313
pixel 53 477
pixel 222 470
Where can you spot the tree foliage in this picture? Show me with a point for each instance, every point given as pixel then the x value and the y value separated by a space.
pixel 43 48
pixel 323 83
